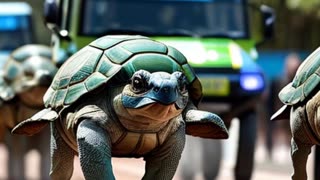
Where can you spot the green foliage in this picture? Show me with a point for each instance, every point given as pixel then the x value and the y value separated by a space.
pixel 306 6
pixel 297 24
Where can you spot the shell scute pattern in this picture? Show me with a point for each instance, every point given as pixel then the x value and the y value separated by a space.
pixel 108 56
pixel 122 53
pixel 68 84
pixel 64 82
pixel 95 80
pixel 308 67
pixel 306 80
pixel 74 92
pixel 28 51
pixel 118 55
pixel 143 45
pixel 21 54
pixel 83 65
pixel 310 84
pixel 189 73
pixel 13 69
pixel 177 55
pixel 60 96
pixel 106 67
pixel 146 61
pixel 107 42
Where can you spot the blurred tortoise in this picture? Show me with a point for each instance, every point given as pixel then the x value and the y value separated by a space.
pixel 302 99
pixel 26 68
pixel 123 96
pixel 25 77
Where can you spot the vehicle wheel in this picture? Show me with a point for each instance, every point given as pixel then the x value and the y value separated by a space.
pixel 317 163
pixel 246 146
pixel 200 156
pixel 190 163
pixel 211 158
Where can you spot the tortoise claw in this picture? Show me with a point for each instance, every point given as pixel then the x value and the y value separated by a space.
pixel 205 125
pixel 36 123
pixel 282 113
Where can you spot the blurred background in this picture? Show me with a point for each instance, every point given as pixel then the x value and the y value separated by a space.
pixel 295 35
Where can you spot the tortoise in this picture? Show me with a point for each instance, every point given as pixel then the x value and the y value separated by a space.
pixel 122 96
pixel 25 77
pixel 301 99
pixel 19 70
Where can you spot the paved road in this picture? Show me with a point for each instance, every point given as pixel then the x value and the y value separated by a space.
pixel 133 169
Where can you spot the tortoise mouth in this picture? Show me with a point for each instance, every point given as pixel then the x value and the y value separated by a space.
pixel 155 111
pixel 139 102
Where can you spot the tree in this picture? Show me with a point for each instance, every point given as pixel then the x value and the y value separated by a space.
pixel 297 24
pixel 306 6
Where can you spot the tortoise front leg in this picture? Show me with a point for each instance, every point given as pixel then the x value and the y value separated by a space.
pixel 62 157
pixel 94 151
pixel 162 163
pixel 299 155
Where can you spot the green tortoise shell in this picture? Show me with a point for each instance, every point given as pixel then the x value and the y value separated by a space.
pixel 115 57
pixel 13 69
pixel 307 78
pixel 20 60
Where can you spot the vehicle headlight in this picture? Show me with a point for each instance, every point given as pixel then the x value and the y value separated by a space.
pixel 251 82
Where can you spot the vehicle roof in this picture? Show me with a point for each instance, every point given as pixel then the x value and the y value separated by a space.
pixel 15 8
pixel 188 0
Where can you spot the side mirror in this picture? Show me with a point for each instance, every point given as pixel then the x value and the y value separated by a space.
pixel 52 17
pixel 52 12
pixel 269 17
pixel 261 23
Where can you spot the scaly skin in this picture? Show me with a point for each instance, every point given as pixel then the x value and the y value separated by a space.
pixel 302 98
pixel 128 97
pixel 98 132
pixel 99 126
pixel 25 77
pixel 304 122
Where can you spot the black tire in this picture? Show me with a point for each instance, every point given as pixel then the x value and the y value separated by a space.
pixel 246 145
pixel 190 163
pixel 211 158
pixel 201 156
pixel 317 163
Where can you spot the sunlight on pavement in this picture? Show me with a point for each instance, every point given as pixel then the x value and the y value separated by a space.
pixel 278 168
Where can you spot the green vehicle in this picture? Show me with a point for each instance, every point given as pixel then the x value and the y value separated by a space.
pixel 218 37
pixel 15 27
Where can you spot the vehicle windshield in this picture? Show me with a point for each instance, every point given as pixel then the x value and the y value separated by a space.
pixel 15 31
pixel 213 18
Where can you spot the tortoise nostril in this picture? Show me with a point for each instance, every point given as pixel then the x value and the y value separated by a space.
pixel 165 89
pixel 156 89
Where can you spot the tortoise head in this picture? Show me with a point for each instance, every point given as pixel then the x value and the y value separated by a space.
pixel 157 94
pixel 30 66
pixel 37 75
pixel 38 71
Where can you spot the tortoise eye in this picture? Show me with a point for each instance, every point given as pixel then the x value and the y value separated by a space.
pixel 29 73
pixel 139 82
